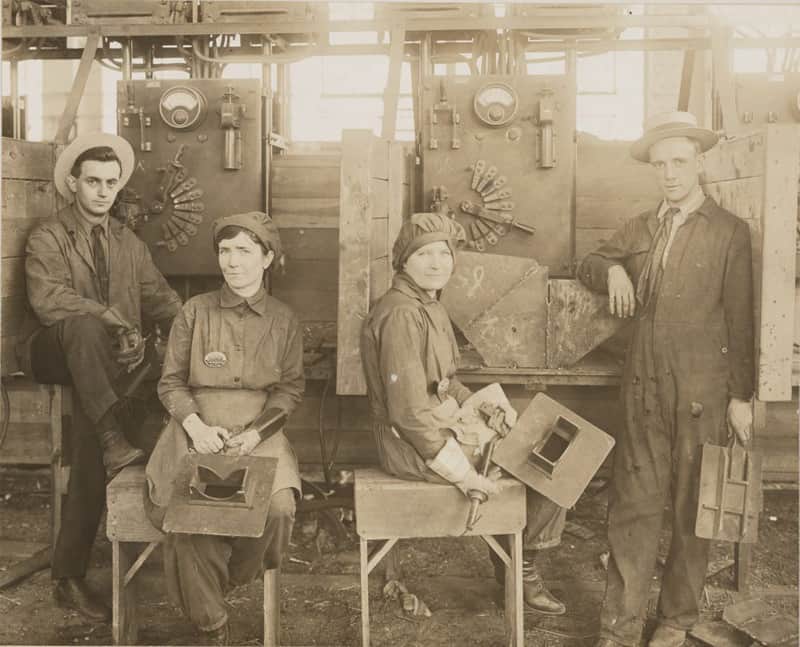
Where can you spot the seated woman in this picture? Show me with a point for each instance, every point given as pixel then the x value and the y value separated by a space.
pixel 234 356
pixel 410 356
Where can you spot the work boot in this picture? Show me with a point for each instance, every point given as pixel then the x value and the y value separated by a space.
pixel 666 636
pixel 219 636
pixel 117 451
pixel 536 595
pixel 73 593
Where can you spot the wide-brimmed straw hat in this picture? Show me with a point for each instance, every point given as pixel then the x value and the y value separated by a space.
pixel 83 143
pixel 671 124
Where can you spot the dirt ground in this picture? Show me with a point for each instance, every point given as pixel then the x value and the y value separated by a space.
pixel 320 593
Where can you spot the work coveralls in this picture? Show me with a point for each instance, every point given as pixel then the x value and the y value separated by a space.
pixel 66 343
pixel 410 357
pixel 228 358
pixel 691 351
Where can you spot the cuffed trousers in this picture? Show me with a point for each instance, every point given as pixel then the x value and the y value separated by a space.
pixel 77 351
pixel 200 569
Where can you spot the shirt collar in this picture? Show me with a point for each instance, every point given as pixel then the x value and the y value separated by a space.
pixel 87 226
pixel 403 283
pixel 258 302
pixel 694 203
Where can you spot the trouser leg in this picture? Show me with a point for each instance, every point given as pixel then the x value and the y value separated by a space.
pixel 77 351
pixel 687 561
pixel 200 568
pixel 84 501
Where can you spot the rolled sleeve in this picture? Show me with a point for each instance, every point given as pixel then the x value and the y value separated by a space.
pixel 288 392
pixel 173 387
pixel 403 375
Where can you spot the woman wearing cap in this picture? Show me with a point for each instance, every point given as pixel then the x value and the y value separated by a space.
pixel 410 357
pixel 234 358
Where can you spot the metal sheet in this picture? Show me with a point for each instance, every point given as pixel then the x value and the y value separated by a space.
pixel 577 463
pixel 578 321
pixel 186 514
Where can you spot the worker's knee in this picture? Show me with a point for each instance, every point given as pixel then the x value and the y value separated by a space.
pixel 83 332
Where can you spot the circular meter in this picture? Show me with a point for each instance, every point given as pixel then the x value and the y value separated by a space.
pixel 182 107
pixel 496 104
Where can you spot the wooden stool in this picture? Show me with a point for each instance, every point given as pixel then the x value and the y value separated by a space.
pixel 127 527
pixel 388 509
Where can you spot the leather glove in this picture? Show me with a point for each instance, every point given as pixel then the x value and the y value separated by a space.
pixel 452 465
pixel 129 350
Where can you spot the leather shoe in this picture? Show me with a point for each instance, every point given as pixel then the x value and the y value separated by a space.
pixel 118 452
pixel 666 636
pixel 219 636
pixel 73 593
pixel 538 598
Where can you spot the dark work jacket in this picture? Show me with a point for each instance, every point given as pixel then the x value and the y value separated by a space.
pixel 61 280
pixel 407 349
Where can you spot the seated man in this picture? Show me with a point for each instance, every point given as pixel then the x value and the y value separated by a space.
pixel 90 280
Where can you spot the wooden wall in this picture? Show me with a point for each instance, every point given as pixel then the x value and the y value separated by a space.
pixel 28 197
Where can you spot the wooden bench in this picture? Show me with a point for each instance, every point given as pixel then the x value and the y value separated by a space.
pixel 127 527
pixel 388 509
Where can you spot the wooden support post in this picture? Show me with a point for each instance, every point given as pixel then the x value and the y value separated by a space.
pixel 78 86
pixel 779 223
pixel 723 80
pixel 364 575
pixel 272 607
pixel 515 629
pixel 392 93
pixel 123 624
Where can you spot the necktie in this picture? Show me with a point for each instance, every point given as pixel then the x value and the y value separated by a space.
pixel 100 262
pixel 652 270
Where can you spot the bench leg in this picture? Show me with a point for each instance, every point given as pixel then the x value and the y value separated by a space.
pixel 364 574
pixel 515 629
pixel 272 607
pixel 124 626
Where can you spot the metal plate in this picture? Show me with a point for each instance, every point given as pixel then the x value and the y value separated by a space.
pixel 577 464
pixel 186 514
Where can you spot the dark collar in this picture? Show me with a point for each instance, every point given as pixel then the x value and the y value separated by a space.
pixel 705 210
pixel 404 284
pixel 229 299
pixel 73 221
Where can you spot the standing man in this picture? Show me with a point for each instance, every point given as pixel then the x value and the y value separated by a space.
pixel 683 271
pixel 89 281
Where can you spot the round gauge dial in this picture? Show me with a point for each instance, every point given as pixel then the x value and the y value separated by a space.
pixel 182 107
pixel 496 104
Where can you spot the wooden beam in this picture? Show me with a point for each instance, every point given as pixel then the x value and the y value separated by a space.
pixel 392 93
pixel 723 80
pixel 78 86
pixel 687 75
pixel 776 334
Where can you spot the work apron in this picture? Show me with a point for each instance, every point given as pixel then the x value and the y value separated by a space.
pixel 218 407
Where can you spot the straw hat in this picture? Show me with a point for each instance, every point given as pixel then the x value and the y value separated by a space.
pixel 83 143
pixel 671 124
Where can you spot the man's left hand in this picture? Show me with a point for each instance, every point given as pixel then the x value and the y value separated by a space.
pixel 130 348
pixel 243 444
pixel 502 419
pixel 740 419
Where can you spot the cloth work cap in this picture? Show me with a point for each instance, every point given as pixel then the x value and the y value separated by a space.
pixel 424 228
pixel 257 222
pixel 83 143
pixel 671 124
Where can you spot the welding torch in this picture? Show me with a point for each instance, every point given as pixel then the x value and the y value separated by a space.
pixel 496 421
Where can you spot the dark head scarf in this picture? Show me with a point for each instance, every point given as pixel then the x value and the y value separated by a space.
pixel 257 222
pixel 420 230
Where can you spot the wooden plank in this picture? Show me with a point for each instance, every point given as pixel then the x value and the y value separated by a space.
pixel 378 237
pixel 26 444
pixel 306 213
pixel 354 232
pixel 380 278
pixel 379 159
pixel 12 276
pixel 776 334
pixel 310 244
pixel 398 192
pixel 305 182
pixel 126 520
pixel 27 160
pixel 391 94
pixel 309 288
pixel 743 197
pixel 737 158
pixel 25 203
pixel 78 86
pixel 12 314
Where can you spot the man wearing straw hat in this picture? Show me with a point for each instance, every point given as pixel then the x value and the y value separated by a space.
pixel 90 280
pixel 683 272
